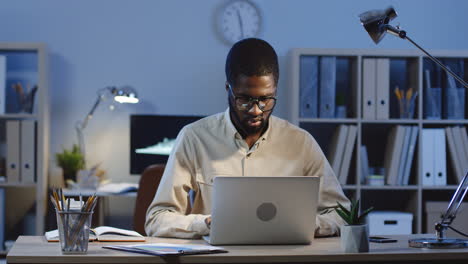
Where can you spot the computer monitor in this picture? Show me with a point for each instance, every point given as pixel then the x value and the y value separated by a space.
pixel 152 138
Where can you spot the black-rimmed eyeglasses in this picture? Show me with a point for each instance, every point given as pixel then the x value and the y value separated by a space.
pixel 245 103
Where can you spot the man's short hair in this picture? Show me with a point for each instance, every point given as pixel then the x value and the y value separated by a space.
pixel 251 57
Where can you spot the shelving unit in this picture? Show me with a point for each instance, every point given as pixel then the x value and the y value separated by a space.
pixel 22 197
pixel 373 132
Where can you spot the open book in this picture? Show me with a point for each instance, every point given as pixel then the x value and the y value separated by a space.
pixel 164 249
pixel 104 234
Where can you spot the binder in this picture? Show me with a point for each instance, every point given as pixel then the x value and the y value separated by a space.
pixel 13 151
pixel 427 157
pixel 383 88
pixel 461 152
pixel 453 153
pixel 2 83
pixel 337 148
pixel 308 86
pixel 392 154
pixel 327 88
pixel 411 150
pixel 439 155
pixel 368 88
pixel 404 154
pixel 28 151
pixel 350 141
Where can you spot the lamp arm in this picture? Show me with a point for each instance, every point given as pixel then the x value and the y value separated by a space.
pixel 452 209
pixel 402 34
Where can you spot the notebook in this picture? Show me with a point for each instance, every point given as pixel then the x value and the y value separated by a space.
pixel 164 249
pixel 104 234
pixel 263 210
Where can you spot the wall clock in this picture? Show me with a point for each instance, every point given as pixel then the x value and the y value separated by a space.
pixel 238 19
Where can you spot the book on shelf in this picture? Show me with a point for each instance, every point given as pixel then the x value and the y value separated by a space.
pixel 349 146
pixel 434 171
pixel 13 140
pixel 337 148
pixel 165 249
pixel 393 151
pixel 404 154
pixel 369 77
pixel 409 160
pixel 103 234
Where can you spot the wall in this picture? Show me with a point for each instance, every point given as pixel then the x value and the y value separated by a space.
pixel 169 52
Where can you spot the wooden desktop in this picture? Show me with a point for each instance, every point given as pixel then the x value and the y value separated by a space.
pixel 35 249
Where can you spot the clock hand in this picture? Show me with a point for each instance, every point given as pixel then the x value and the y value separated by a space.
pixel 240 23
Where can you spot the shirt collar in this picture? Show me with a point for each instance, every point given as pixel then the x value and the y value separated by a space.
pixel 232 131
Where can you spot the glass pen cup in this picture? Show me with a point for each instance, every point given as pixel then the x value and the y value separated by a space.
pixel 74 228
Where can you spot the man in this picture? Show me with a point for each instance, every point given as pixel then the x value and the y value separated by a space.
pixel 245 140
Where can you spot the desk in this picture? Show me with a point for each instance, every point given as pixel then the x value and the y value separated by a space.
pixel 35 249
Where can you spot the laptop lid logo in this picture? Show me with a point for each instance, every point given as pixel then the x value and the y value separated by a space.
pixel 266 211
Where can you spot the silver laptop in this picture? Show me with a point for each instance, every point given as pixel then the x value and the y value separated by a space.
pixel 263 210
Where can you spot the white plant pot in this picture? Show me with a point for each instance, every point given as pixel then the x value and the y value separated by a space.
pixel 354 238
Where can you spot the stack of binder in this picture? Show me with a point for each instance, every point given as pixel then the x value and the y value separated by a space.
pixel 399 153
pixel 21 151
pixel 434 169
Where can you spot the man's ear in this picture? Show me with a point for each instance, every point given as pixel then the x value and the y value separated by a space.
pixel 227 86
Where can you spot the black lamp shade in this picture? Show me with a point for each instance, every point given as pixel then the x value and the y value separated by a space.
pixel 374 22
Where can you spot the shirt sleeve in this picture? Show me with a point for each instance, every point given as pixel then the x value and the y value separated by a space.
pixel 168 214
pixel 328 222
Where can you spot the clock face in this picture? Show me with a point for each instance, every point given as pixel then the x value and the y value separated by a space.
pixel 239 19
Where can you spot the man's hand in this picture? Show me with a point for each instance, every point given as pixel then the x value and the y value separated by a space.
pixel 208 222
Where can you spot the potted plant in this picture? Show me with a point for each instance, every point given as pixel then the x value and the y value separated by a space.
pixel 355 234
pixel 71 161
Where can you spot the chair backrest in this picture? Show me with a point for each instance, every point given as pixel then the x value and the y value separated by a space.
pixel 149 182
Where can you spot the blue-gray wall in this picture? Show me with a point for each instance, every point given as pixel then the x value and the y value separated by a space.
pixel 170 52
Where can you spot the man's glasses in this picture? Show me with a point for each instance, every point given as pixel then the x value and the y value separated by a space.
pixel 245 103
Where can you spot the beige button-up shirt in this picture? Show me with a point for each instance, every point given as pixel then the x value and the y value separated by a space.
pixel 212 147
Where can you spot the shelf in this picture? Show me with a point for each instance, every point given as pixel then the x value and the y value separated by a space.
pixel 3 253
pixel 18 116
pixel 442 187
pixel 389 187
pixel 348 187
pixel 390 121
pixel 446 121
pixel 25 185
pixel 328 120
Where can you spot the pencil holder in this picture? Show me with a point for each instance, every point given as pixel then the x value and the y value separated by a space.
pixel 73 229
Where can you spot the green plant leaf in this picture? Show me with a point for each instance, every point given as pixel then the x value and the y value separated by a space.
pixel 344 216
pixel 363 215
pixel 354 211
pixel 343 208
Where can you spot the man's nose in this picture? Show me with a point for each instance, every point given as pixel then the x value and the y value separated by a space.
pixel 255 109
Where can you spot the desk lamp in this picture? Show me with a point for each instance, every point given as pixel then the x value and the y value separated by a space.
pixel 123 94
pixel 376 22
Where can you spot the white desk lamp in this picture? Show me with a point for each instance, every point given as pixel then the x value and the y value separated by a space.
pixel 123 94
pixel 376 24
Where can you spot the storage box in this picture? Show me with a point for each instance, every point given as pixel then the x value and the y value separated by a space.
pixel 390 223
pixel 434 210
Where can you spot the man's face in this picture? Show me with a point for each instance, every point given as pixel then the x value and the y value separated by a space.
pixel 251 120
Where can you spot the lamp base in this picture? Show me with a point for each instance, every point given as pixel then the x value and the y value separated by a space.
pixel 438 243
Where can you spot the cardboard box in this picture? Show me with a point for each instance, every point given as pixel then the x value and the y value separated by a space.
pixel 390 223
pixel 434 211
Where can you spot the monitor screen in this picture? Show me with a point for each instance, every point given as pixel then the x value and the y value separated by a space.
pixel 152 138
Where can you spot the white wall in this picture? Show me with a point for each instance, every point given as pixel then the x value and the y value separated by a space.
pixel 169 51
